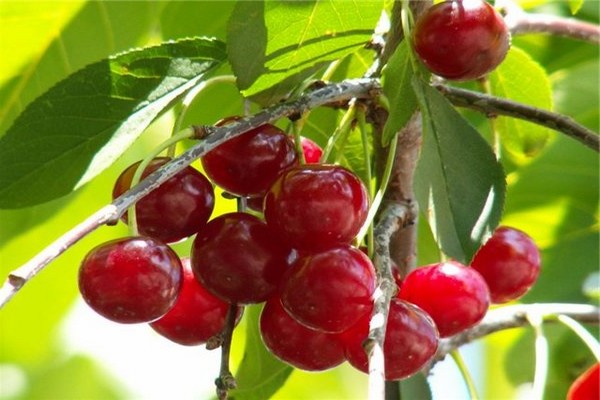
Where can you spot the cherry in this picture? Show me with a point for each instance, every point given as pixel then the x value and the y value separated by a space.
pixel 197 314
pixel 509 262
pixel 131 280
pixel 411 340
pixel 331 290
pixel 587 385
pixel 247 165
pixel 315 207
pixel 296 344
pixel 461 39
pixel 178 208
pixel 239 259
pixel 312 151
pixel 456 297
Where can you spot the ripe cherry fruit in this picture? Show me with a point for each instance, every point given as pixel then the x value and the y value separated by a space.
pixel 316 207
pixel 247 165
pixel 330 290
pixel 239 259
pixel 587 385
pixel 197 315
pixel 411 340
pixel 455 296
pixel 461 39
pixel 509 262
pixel 131 280
pixel 175 210
pixel 296 344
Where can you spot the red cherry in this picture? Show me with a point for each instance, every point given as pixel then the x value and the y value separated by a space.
pixel 411 340
pixel 177 209
pixel 312 151
pixel 461 39
pixel 509 262
pixel 315 207
pixel 456 297
pixel 331 290
pixel 248 164
pixel 197 314
pixel 587 385
pixel 131 280
pixel 296 344
pixel 239 259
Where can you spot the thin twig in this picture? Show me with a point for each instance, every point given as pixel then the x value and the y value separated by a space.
pixel 491 105
pixel 359 88
pixel 226 382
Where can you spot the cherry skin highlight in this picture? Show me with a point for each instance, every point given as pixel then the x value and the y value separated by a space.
pixel 197 315
pixel 330 290
pixel 131 280
pixel 316 207
pixel 177 209
pixel 247 165
pixel 510 264
pixel 239 259
pixel 411 340
pixel 455 296
pixel 461 39
pixel 295 344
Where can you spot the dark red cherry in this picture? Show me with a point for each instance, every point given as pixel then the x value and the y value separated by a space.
pixel 330 290
pixel 411 340
pixel 461 39
pixel 131 280
pixel 296 344
pixel 509 262
pixel 315 206
pixel 197 314
pixel 247 165
pixel 239 259
pixel 456 297
pixel 177 209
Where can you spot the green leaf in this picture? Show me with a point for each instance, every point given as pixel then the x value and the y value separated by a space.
pixel 398 89
pixel 575 6
pixel 260 374
pixel 268 42
pixel 521 79
pixel 181 19
pixel 80 126
pixel 459 183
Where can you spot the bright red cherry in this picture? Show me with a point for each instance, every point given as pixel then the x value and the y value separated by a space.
pixel 197 314
pixel 456 297
pixel 411 340
pixel 315 206
pixel 177 209
pixel 296 344
pixel 131 280
pixel 331 290
pixel 461 39
pixel 587 385
pixel 239 259
pixel 248 164
pixel 312 151
pixel 509 262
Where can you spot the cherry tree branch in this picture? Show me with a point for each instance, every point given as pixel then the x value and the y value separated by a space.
pixel 491 105
pixel 212 137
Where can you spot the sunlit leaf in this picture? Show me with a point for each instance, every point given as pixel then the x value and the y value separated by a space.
pixel 80 126
pixel 458 182
pixel 575 6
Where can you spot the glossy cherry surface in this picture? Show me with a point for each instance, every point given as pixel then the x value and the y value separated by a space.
pixel 239 259
pixel 509 262
pixel 197 314
pixel 312 151
pixel 296 344
pixel 411 340
pixel 315 206
pixel 587 385
pixel 456 297
pixel 175 210
pixel 247 165
pixel 131 280
pixel 330 290
pixel 461 39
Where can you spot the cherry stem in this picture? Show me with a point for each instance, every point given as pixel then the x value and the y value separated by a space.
pixel 362 126
pixel 464 371
pixel 340 134
pixel 586 337
pixel 536 320
pixel 225 382
pixel 296 127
